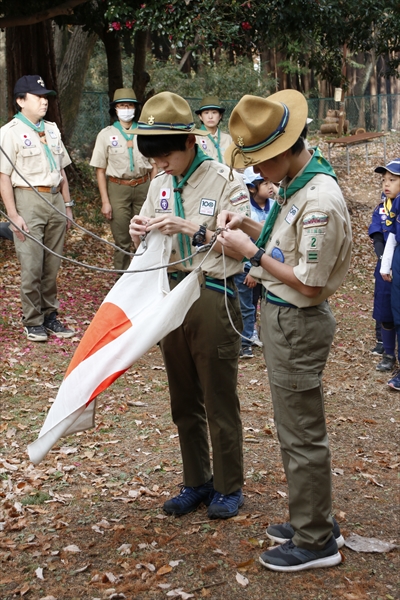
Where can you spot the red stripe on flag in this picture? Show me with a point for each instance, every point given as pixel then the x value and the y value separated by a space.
pixel 109 322
pixel 104 385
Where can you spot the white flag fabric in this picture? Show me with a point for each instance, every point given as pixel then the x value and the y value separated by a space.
pixel 136 314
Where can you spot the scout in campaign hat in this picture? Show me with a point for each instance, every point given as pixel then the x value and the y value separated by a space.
pixel 210 103
pixel 32 84
pixel 262 128
pixel 165 114
pixel 124 95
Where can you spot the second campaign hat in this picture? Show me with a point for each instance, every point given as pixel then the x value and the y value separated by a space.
pixel 165 114
pixel 393 167
pixel 32 84
pixel 208 103
pixel 262 128
pixel 124 95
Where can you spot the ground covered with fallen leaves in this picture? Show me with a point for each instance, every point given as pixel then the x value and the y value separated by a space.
pixel 87 523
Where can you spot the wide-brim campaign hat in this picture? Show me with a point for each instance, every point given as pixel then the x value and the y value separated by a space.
pixel 32 84
pixel 210 103
pixel 393 167
pixel 262 128
pixel 165 114
pixel 124 95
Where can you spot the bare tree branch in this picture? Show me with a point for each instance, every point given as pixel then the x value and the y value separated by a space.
pixel 66 8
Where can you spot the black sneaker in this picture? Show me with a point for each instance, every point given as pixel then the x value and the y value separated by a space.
pixel 53 325
pixel 289 558
pixel 36 333
pixel 225 506
pixel 378 348
pixel 246 352
pixel 387 363
pixel 284 532
pixel 189 499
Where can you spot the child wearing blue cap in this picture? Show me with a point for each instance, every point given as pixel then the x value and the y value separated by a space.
pixel 390 267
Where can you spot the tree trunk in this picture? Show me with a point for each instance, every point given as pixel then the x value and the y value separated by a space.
pixel 114 62
pixel 71 77
pixel 140 77
pixel 30 51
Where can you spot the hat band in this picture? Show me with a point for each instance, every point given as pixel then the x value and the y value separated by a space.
pixel 157 126
pixel 280 130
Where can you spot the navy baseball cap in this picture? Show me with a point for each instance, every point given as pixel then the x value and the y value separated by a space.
pixel 393 167
pixel 32 84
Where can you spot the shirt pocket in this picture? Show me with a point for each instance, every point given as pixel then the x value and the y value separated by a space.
pixel 30 162
pixel 283 249
pixel 118 158
pixel 58 153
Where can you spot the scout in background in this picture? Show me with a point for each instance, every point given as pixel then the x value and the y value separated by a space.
pixel 123 174
pixel 35 147
pixel 200 356
pixel 390 267
pixel 378 231
pixel 213 141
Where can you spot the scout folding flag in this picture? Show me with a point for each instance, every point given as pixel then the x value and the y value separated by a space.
pixel 136 314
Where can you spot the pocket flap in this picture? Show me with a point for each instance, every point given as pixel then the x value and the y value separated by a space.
pixel 298 382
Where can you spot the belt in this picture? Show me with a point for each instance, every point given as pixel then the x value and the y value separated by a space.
pixel 131 182
pixel 42 188
pixel 217 285
pixel 273 299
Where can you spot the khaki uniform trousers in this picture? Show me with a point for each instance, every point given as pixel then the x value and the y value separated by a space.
pixel 126 202
pixel 201 359
pixel 39 268
pixel 296 347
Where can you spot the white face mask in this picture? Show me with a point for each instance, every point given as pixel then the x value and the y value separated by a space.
pixel 125 114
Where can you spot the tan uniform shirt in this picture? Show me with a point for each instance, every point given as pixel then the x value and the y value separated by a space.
pixel 313 235
pixel 209 148
pixel 111 153
pixel 22 144
pixel 207 192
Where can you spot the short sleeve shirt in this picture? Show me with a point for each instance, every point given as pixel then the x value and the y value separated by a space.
pixel 209 146
pixel 26 151
pixel 207 192
pixel 313 235
pixel 111 153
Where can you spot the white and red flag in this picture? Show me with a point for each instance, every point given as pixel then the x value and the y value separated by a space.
pixel 136 314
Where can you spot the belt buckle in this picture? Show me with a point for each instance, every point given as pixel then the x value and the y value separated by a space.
pixel 133 182
pixel 53 189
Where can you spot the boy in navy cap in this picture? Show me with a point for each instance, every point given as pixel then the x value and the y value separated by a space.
pixel 33 154
pixel 390 267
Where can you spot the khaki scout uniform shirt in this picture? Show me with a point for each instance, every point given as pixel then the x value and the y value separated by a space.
pixel 207 192
pixel 111 153
pixel 312 234
pixel 209 148
pixel 22 144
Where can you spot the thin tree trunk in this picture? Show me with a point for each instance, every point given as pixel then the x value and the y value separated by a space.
pixel 114 60
pixel 140 77
pixel 72 75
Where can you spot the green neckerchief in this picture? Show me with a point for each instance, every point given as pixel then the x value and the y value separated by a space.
pixel 39 129
pixel 199 158
pixel 317 164
pixel 129 138
pixel 216 143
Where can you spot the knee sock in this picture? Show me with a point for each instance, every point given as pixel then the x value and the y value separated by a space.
pixel 389 340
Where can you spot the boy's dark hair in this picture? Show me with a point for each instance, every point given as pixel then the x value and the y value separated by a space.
pixel 16 105
pixel 160 145
pixel 220 112
pixel 300 144
pixel 114 117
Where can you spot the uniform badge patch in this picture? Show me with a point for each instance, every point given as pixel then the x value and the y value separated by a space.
pixel 291 214
pixel 315 219
pixel 277 254
pixel 239 198
pixel 207 207
pixel 26 139
pixel 312 256
pixel 114 140
pixel 203 144
pixel 52 134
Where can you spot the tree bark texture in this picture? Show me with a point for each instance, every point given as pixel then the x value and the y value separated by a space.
pixel 71 77
pixel 112 47
pixel 140 77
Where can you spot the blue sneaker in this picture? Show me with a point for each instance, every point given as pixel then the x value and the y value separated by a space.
pixel 289 558
pixel 284 532
pixel 225 506
pixel 189 499
pixel 394 383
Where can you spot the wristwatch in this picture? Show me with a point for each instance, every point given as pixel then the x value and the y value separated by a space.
pixel 199 238
pixel 256 259
pixel 69 204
